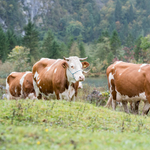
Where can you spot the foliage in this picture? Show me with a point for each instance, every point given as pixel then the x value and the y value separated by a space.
pixel 31 41
pixel 104 31
pixel 82 50
pixel 62 125
pixel 3 45
pixel 145 42
pixel 47 44
pixel 74 50
pixel 115 42
pixel 19 58
pixel 5 69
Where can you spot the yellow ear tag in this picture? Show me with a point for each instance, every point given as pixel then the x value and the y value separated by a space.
pixel 84 66
pixel 64 66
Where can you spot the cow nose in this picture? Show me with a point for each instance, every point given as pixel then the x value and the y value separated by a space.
pixel 81 78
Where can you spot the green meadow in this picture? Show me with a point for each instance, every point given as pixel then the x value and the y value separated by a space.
pixel 63 125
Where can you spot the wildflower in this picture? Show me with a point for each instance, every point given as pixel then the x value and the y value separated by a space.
pixel 38 142
pixel 46 130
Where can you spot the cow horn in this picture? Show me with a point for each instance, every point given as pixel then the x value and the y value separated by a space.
pixel 83 58
pixel 66 58
pixel 86 71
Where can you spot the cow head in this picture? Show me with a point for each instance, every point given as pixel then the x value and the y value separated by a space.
pixel 74 69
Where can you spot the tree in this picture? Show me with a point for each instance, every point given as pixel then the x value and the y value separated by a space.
pixel 137 49
pixel 145 42
pixel 19 58
pixel 74 50
pixel 115 42
pixel 47 44
pixel 31 41
pixel 12 39
pixel 103 35
pixel 130 14
pixel 118 11
pixel 103 48
pixel 3 45
pixel 82 50
pixel 145 45
pixel 55 51
pixel 129 41
pixel 110 57
pixel 74 28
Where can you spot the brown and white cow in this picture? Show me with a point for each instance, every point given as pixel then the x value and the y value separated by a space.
pixel 58 76
pixel 20 85
pixel 129 82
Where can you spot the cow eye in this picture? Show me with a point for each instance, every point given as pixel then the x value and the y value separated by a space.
pixel 72 67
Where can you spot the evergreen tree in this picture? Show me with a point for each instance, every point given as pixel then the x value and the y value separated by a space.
pixel 110 58
pixel 82 50
pixel 12 40
pixel 47 44
pixel 112 24
pixel 115 42
pixel 103 35
pixel 3 45
pixel 74 50
pixel 130 15
pixel 137 49
pixel 118 11
pixel 55 51
pixel 31 40
pixel 129 42
pixel 102 49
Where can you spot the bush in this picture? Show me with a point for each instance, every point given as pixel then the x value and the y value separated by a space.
pixel 19 56
pixel 5 69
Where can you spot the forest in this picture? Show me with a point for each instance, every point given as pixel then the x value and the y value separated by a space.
pixel 102 30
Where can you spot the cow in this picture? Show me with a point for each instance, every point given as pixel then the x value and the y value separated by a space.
pixel 129 82
pixel 58 76
pixel 20 85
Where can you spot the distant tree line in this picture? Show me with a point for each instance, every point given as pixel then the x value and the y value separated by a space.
pixel 85 19
pixel 49 46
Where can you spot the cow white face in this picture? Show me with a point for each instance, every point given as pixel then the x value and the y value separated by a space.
pixel 74 70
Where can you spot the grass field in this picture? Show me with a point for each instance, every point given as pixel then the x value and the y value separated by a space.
pixel 42 125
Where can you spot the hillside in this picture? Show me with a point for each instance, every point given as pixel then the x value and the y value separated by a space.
pixel 78 17
pixel 27 124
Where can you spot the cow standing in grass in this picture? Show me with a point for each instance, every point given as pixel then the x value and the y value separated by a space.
pixel 129 82
pixel 58 76
pixel 20 85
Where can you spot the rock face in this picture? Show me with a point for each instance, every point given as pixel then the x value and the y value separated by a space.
pixel 36 10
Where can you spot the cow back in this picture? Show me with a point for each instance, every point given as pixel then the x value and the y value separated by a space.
pixel 13 80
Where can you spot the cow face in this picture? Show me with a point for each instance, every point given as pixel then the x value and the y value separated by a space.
pixel 74 70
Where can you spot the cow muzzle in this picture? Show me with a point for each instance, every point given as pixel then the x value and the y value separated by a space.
pixel 77 77
pixel 81 78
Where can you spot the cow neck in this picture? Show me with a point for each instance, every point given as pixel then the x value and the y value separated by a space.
pixel 68 83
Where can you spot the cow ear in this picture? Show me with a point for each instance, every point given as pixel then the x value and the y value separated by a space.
pixel 65 64
pixel 85 64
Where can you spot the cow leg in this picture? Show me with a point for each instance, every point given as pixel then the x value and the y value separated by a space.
pixel 134 107
pixel 146 108
pixel 124 103
pixel 57 95
pixel 39 96
pixel 109 102
pixel 73 98
pixel 37 91
pixel 114 104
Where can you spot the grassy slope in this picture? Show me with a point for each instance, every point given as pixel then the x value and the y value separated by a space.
pixel 27 124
